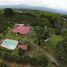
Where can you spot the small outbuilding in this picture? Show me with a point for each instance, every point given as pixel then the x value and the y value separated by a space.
pixel 23 47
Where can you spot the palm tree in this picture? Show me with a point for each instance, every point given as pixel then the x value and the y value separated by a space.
pixel 41 34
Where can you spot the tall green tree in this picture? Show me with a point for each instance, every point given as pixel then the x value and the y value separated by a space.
pixel 56 23
pixel 41 34
pixel 8 12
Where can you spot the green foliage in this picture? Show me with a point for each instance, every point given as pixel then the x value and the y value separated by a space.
pixel 13 36
pixel 23 40
pixel 1 36
pixel 8 12
pixel 61 51
pixel 2 64
pixel 65 34
pixel 27 41
pixel 23 58
pixel 53 41
pixel 42 34
pixel 3 27
pixel 43 22
pixel 40 61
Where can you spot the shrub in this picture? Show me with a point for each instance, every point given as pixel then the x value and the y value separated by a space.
pixel 2 64
pixel 40 61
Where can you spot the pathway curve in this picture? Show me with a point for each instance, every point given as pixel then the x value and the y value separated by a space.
pixel 52 58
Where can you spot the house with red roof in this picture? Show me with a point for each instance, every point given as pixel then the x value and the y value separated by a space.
pixel 21 29
pixel 23 47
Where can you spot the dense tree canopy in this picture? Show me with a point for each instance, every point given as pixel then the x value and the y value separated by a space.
pixel 61 51
pixel 3 26
pixel 8 12
pixel 40 61
pixel 43 22
pixel 65 34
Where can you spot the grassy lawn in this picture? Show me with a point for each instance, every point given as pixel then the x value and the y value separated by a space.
pixel 13 36
pixel 53 40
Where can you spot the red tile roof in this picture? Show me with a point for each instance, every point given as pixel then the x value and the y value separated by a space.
pixel 23 47
pixel 21 65
pixel 22 29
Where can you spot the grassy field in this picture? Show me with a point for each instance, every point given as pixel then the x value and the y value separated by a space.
pixel 13 36
pixel 52 42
